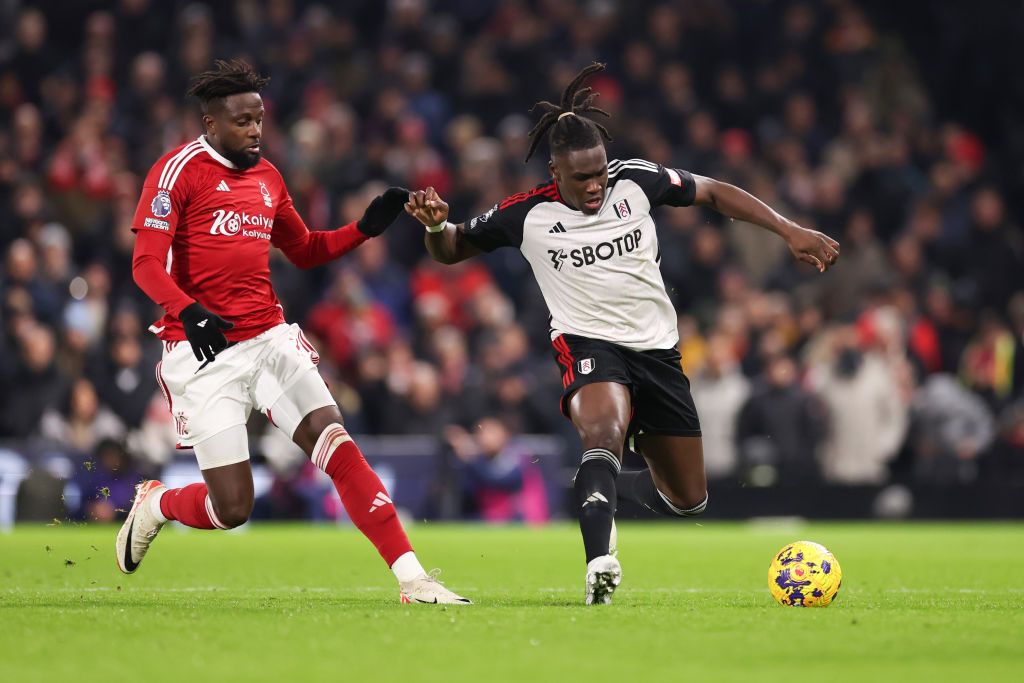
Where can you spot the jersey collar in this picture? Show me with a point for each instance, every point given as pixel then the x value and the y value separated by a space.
pixel 214 153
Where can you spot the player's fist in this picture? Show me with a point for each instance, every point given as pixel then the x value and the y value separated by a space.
pixel 382 211
pixel 203 331
pixel 427 207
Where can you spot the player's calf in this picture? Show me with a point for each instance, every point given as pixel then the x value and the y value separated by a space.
pixel 233 514
pixel 596 498
pixel 639 487
pixel 366 501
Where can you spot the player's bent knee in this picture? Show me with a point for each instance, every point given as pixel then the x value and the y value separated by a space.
pixel 695 505
pixel 694 500
pixel 597 435
pixel 234 514
pixel 691 504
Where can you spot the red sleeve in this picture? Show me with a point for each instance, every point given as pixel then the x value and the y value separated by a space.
pixel 163 195
pixel 309 249
pixel 150 274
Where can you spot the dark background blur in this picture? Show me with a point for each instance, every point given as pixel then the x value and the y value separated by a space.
pixel 891 386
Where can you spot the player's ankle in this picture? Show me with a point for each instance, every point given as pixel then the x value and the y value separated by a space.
pixel 154 505
pixel 407 567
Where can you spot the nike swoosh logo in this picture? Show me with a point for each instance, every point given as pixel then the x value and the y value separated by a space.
pixel 129 566
pixel 427 602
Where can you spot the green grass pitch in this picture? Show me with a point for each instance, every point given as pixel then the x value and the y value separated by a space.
pixel 928 602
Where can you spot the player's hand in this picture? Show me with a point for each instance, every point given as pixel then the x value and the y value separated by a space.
pixel 382 211
pixel 427 207
pixel 203 331
pixel 813 247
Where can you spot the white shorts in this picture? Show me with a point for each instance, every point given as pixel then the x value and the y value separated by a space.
pixel 275 372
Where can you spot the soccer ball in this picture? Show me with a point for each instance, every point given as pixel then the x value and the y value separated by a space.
pixel 804 574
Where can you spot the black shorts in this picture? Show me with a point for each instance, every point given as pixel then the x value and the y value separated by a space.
pixel 662 403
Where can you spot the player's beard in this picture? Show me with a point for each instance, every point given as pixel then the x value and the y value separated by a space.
pixel 242 158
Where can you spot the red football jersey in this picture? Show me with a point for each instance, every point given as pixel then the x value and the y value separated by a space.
pixel 222 221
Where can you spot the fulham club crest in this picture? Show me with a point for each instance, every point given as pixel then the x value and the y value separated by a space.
pixel 585 366
pixel 622 209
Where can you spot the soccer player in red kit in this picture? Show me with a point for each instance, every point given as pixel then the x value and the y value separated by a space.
pixel 209 212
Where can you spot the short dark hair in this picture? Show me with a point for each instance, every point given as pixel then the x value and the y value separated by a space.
pixel 566 128
pixel 226 78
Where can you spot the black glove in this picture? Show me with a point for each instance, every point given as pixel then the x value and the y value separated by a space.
pixel 203 330
pixel 382 211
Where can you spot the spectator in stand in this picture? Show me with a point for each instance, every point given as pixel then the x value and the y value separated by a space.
pixel 498 481
pixel 992 257
pixel 1004 461
pixel 87 421
pixel 40 383
pixel 121 374
pixel 986 366
pixel 720 391
pixel 950 429
pixel 350 320
pixel 22 272
pixel 417 407
pixel 867 414
pixel 780 428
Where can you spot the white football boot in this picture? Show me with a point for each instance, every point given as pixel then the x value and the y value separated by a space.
pixel 139 529
pixel 604 574
pixel 426 589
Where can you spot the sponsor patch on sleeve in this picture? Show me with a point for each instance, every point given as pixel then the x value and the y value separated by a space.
pixel 674 177
pixel 158 224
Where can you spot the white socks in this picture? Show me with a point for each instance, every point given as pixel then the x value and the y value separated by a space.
pixel 154 505
pixel 407 567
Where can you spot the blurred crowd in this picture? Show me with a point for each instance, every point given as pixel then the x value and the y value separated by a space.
pixel 904 361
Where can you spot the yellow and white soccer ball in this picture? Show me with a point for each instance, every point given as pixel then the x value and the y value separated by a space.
pixel 804 574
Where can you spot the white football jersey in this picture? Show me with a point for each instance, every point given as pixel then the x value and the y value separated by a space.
pixel 599 274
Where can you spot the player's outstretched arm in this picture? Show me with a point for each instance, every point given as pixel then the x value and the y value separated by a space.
pixel 809 246
pixel 444 240
pixel 308 249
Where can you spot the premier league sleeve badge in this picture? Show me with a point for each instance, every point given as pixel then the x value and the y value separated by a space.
pixel 161 206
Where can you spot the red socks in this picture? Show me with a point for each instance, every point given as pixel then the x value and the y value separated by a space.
pixel 361 491
pixel 191 506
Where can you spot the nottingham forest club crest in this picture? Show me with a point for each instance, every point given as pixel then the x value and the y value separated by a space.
pixel 266 196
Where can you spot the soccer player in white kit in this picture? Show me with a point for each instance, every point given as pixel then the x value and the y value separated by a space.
pixel 209 212
pixel 590 240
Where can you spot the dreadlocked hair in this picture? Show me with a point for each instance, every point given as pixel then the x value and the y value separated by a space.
pixel 226 78
pixel 574 131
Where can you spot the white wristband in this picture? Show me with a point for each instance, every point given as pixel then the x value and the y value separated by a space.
pixel 437 228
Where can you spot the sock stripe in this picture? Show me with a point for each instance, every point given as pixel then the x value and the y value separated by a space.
pixel 323 443
pixel 213 515
pixel 698 508
pixel 329 440
pixel 602 454
pixel 364 496
pixel 684 512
